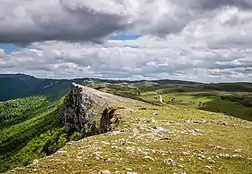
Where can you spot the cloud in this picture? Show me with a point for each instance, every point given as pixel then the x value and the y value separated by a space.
pixel 206 4
pixel 198 40
pixel 29 21
pixel 153 58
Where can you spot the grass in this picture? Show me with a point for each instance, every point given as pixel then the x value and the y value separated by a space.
pixel 230 99
pixel 164 133
pixel 209 102
pixel 201 128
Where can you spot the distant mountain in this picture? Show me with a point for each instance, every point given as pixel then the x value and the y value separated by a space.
pixel 14 86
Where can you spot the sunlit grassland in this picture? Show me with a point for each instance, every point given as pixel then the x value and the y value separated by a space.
pixel 199 153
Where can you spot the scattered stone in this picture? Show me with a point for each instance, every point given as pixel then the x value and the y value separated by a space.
pixel 122 141
pixel 62 152
pixel 106 143
pixel 181 159
pixel 199 131
pixel 170 162
pixel 236 156
pixel 115 147
pixel 108 160
pixel 193 132
pixel 98 155
pixel 69 144
pixel 130 149
pixel 208 167
pixel 161 129
pixel 201 156
pixel 149 158
pixel 136 131
pixel 124 130
pixel 153 120
pixel 210 159
pixel 161 152
pixel 115 132
pixel 128 169
pixel 238 150
pixel 224 155
pixel 105 172
pixel 129 172
pixel 193 121
pixel 186 153
pixel 34 163
pixel 180 171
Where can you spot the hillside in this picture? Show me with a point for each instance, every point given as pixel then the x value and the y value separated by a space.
pixel 157 139
pixel 21 121
pixel 31 128
pixel 200 123
pixel 19 85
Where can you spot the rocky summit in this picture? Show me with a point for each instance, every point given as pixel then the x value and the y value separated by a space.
pixel 82 104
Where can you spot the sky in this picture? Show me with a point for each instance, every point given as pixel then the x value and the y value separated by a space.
pixel 196 40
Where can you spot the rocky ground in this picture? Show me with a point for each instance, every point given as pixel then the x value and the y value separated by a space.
pixel 157 139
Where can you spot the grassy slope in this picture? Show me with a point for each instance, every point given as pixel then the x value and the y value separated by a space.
pixel 22 120
pixel 228 99
pixel 213 143
pixel 203 101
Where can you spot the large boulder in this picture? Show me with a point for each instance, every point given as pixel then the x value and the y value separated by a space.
pixel 82 103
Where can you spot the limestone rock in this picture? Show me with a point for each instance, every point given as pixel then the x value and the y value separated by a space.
pixel 149 158
pixel 105 172
pixel 170 162
pixel 83 103
pixel 34 163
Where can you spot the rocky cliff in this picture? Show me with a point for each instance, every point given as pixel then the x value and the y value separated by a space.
pixel 82 104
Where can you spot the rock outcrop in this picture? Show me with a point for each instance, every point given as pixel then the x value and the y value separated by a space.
pixel 82 104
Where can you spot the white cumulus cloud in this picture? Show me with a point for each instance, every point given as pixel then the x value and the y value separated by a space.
pixel 197 40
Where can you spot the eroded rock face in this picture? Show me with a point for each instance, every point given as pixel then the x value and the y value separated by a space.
pixel 105 122
pixel 82 104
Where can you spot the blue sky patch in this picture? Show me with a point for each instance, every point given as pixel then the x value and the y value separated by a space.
pixel 8 48
pixel 127 36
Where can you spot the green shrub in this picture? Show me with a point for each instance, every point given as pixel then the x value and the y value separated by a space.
pixel 75 136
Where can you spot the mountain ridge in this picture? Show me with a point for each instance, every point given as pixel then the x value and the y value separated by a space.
pixel 20 85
